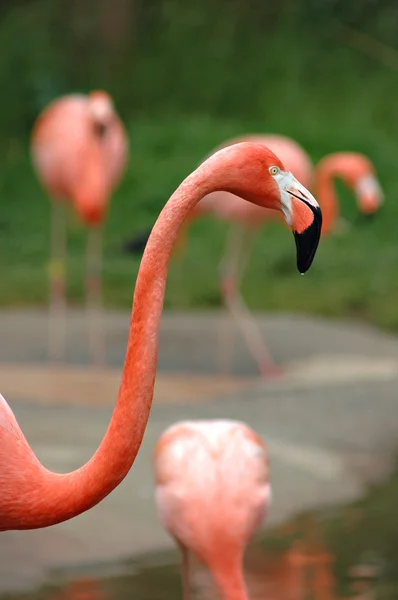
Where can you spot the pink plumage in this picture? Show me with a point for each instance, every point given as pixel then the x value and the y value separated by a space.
pixel 79 150
pixel 213 493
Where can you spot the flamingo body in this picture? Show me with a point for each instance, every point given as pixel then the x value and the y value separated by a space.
pixel 355 169
pixel 212 490
pixel 79 149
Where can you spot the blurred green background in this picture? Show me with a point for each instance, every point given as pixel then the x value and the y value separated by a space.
pixel 186 76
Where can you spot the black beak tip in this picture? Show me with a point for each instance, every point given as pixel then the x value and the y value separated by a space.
pixel 307 243
pixel 304 261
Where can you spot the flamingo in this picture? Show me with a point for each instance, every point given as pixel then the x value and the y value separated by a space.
pixel 33 497
pixel 355 169
pixel 79 151
pixel 212 494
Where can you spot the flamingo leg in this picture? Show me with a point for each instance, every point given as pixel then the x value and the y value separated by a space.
pixel 232 269
pixel 186 588
pixel 94 297
pixel 228 267
pixel 57 277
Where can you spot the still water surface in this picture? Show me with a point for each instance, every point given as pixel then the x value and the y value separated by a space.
pixel 347 552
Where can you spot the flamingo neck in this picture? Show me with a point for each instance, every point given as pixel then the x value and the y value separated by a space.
pixel 33 497
pixel 51 498
pixel 91 198
pixel 326 194
pixel 228 576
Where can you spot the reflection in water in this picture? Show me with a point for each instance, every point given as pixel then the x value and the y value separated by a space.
pixel 301 573
pixel 81 589
pixel 350 552
pixel 304 572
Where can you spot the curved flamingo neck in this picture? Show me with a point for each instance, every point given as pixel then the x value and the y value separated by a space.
pixel 126 429
pixel 325 171
pixel 33 497
pixel 39 498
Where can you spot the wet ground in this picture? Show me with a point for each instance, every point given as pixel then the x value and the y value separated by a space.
pixel 330 424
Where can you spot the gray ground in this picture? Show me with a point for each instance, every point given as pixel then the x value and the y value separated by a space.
pixel 331 424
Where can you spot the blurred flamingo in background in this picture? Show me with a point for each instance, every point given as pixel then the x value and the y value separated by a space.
pixel 357 172
pixel 353 168
pixel 79 150
pixel 212 493
pixel 245 224
pixel 31 496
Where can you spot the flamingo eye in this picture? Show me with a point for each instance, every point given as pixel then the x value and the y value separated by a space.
pixel 274 170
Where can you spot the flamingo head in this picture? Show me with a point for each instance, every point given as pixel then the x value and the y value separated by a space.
pixel 90 201
pixel 254 173
pixel 359 174
pixel 101 111
pixel 369 194
pixel 302 213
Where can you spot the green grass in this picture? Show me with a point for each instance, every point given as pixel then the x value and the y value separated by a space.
pixel 187 78
pixel 354 275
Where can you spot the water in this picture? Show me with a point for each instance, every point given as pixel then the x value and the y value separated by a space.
pixel 346 552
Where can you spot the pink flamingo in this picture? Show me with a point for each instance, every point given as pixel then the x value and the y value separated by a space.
pixel 353 168
pixel 79 151
pixel 212 493
pixel 32 496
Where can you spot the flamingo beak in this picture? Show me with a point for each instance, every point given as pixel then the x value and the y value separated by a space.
pixel 303 214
